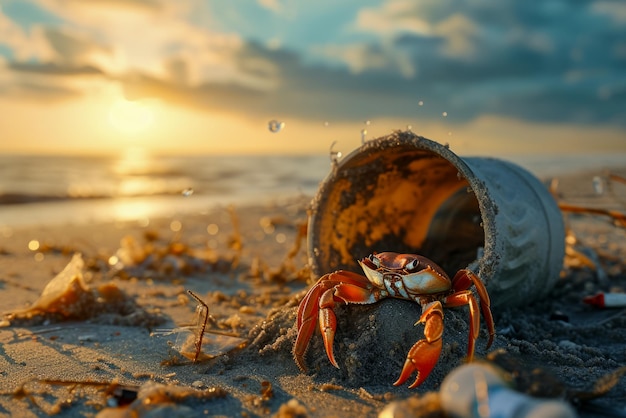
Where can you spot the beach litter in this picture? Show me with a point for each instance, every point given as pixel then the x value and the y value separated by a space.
pixel 503 386
pixel 160 400
pixel 198 343
pixel 68 297
pixel 115 400
pixel 607 300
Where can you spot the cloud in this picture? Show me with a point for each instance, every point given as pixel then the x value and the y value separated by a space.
pixel 513 58
pixel 74 48
pixel 273 5
pixel 557 61
pixel 23 44
pixel 27 82
pixel 362 57
pixel 54 69
pixel 121 37
pixel 98 10
pixel 391 18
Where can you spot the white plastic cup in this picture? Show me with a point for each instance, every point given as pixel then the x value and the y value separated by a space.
pixel 406 193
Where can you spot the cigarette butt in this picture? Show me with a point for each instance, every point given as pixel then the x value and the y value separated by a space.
pixel 607 300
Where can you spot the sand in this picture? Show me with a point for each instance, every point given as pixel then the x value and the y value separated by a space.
pixel 244 272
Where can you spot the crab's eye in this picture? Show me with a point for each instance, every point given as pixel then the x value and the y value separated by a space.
pixel 374 260
pixel 412 265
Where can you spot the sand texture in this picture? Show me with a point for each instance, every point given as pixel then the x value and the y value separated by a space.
pixel 63 356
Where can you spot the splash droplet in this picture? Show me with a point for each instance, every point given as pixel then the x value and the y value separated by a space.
pixel 444 114
pixel 598 185
pixel 363 135
pixel 409 128
pixel 420 103
pixel 367 122
pixel 187 192
pixel 275 126
pixel 334 155
pixel 326 124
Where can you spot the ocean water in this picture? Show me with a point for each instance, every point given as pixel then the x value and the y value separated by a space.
pixel 37 189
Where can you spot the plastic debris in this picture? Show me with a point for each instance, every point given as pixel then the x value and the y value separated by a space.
pixel 67 297
pixel 65 293
pixel 196 342
pixel 607 300
pixel 479 391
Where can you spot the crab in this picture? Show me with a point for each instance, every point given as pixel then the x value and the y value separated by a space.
pixel 403 276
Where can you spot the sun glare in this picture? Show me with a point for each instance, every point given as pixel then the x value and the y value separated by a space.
pixel 130 117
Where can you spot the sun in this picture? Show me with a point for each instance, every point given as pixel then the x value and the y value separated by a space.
pixel 130 117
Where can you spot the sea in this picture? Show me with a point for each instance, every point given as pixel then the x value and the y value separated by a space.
pixel 46 190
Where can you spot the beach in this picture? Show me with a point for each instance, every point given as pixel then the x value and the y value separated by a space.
pixel 248 263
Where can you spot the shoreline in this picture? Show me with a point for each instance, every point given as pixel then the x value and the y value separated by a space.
pixel 42 210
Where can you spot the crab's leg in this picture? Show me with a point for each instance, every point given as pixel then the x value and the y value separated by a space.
pixel 424 354
pixel 466 297
pixel 308 313
pixel 317 306
pixel 463 279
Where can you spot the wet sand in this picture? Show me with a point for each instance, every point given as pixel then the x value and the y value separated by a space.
pixel 238 261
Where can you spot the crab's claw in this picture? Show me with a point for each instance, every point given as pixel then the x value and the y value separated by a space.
pixel 424 354
pixel 317 308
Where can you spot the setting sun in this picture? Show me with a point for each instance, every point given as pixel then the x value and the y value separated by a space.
pixel 130 117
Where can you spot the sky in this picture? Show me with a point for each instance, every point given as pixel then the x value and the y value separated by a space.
pixel 207 77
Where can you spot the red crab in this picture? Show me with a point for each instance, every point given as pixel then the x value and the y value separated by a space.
pixel 404 276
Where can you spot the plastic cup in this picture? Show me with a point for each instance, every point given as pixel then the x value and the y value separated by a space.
pixel 406 193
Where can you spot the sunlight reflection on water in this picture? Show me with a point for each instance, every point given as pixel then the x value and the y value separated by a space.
pixel 43 189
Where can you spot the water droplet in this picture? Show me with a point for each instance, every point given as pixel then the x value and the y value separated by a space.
pixel 420 103
pixel 444 114
pixel 334 155
pixel 33 245
pixel 409 128
pixel 449 133
pixel 326 123
pixel 187 192
pixel 367 122
pixel 275 126
pixel 363 135
pixel 598 185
